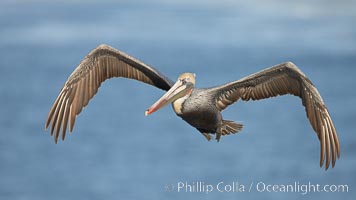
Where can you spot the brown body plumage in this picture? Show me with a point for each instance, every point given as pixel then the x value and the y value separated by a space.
pixel 201 108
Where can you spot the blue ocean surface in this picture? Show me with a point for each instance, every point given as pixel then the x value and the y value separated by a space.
pixel 115 152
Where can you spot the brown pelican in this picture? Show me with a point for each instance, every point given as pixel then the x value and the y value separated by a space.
pixel 201 108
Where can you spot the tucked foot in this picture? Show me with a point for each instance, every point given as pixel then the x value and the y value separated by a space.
pixel 221 131
pixel 207 136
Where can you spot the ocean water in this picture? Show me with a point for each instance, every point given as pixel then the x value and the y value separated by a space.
pixel 115 152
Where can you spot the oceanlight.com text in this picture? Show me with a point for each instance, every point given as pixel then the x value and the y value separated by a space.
pixel 259 186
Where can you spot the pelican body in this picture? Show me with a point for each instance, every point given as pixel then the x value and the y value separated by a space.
pixel 196 107
pixel 201 108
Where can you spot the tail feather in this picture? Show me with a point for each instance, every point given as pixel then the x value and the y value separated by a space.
pixel 230 127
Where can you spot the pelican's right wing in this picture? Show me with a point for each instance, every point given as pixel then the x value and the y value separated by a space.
pixel 100 64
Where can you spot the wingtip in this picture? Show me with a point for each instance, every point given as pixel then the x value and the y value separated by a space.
pixel 326 167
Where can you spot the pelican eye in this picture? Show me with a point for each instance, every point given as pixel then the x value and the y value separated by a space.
pixel 185 80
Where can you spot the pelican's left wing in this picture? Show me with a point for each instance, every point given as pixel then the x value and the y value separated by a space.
pixel 284 79
pixel 102 63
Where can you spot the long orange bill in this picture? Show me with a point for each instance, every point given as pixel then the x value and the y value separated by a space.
pixel 176 91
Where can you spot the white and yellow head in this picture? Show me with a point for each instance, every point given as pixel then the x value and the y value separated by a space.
pixel 182 88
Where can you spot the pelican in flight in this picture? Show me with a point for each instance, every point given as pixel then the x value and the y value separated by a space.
pixel 201 108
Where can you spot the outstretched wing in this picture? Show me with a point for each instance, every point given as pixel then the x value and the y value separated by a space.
pixel 284 79
pixel 100 64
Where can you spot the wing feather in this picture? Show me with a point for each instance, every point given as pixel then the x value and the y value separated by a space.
pixel 65 119
pixel 282 79
pixel 102 63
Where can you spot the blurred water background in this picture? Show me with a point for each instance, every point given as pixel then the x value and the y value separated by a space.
pixel 118 153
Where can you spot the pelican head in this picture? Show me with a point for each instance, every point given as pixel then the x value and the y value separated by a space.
pixel 183 87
